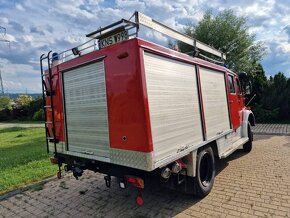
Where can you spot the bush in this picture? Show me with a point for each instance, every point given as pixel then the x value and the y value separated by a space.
pixel 5 103
pixel 34 106
pixel 265 116
pixel 38 115
pixel 23 101
pixel 4 115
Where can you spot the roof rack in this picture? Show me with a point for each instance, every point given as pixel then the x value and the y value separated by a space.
pixel 133 25
pixel 155 25
pixel 142 19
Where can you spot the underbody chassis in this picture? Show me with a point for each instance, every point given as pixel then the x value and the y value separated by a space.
pixel 126 176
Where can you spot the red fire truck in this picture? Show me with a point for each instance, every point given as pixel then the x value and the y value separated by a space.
pixel 129 108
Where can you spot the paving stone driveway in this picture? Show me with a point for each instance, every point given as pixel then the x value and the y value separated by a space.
pixel 272 129
pixel 247 185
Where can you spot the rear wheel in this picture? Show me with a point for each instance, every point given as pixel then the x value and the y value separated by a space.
pixel 248 146
pixel 205 172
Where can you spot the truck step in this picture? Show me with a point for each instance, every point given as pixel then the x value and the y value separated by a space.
pixel 234 147
pixel 52 140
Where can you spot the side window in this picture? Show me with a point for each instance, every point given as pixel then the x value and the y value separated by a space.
pixel 239 86
pixel 231 83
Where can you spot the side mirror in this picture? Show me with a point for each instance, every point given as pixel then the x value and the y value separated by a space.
pixel 248 88
pixel 242 75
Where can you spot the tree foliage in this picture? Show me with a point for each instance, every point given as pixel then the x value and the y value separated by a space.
pixel 23 101
pixel 272 102
pixel 228 33
pixel 23 108
pixel 5 103
pixel 38 115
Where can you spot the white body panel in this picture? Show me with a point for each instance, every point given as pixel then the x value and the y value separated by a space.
pixel 225 143
pixel 174 110
pixel 215 104
pixel 86 110
pixel 173 105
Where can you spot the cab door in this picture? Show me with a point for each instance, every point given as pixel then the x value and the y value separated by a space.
pixel 241 100
pixel 233 101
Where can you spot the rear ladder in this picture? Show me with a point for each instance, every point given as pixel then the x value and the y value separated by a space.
pixel 48 92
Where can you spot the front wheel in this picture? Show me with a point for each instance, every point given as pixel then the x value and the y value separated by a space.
pixel 205 172
pixel 248 146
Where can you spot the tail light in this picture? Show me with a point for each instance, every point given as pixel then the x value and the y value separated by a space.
pixel 135 181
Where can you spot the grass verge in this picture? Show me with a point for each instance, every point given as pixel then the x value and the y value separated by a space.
pixel 23 158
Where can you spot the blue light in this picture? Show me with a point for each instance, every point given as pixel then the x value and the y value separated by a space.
pixel 55 56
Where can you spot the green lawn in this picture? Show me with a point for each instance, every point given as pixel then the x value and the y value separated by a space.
pixel 23 157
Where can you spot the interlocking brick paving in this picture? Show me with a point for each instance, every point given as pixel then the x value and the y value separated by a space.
pixel 272 129
pixel 247 185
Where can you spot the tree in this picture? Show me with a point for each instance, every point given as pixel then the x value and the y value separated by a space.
pixel 5 107
pixel 35 106
pixel 259 82
pixel 5 103
pixel 228 33
pixel 272 103
pixel 23 101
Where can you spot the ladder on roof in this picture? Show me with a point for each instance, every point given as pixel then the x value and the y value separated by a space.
pixel 155 25
pixel 47 92
pixel 144 20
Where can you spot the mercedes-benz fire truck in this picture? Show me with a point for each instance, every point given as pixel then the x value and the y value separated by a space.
pixel 129 108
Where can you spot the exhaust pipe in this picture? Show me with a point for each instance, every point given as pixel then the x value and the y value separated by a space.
pixel 165 173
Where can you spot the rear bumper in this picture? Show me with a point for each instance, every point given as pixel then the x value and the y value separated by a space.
pixel 117 157
pixel 99 166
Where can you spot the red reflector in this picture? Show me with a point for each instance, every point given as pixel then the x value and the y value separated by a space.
pixel 139 200
pixel 135 181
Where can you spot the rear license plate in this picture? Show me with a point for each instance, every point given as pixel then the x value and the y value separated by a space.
pixel 113 39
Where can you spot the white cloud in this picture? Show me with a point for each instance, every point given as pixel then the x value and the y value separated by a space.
pixel 19 77
pixel 28 38
pixel 258 9
pixel 153 35
pixel 19 7
pixel 10 38
pixel 35 27
pixel 256 29
pixel 284 47
pixel 4 20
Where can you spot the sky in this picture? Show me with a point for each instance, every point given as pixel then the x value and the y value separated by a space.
pixel 36 27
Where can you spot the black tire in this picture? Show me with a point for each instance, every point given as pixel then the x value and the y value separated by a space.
pixel 248 146
pixel 205 172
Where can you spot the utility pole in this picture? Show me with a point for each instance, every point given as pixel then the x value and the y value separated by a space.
pixel 3 39
pixel 1 84
pixel 3 34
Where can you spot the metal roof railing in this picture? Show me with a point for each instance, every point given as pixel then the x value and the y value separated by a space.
pixel 140 19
